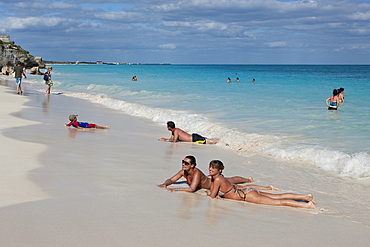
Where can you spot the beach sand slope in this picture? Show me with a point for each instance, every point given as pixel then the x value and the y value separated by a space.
pixel 98 187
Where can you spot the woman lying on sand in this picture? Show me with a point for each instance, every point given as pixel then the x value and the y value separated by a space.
pixel 196 179
pixel 221 187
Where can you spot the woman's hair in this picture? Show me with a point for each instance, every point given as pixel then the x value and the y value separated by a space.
pixel 335 92
pixel 192 160
pixel 217 164
pixel 340 90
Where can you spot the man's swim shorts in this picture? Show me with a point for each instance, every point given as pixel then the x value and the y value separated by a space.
pixel 198 138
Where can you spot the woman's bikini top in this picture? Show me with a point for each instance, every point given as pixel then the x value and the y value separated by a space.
pixel 220 193
pixel 332 103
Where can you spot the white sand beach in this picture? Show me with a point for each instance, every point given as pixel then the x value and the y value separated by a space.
pixel 65 187
pixel 18 158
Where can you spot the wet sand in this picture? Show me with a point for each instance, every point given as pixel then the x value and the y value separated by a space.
pixel 66 187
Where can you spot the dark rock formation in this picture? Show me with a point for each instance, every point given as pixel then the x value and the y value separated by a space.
pixel 11 53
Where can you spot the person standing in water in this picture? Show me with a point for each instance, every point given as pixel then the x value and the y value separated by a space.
pixel 47 78
pixel 341 95
pixel 333 101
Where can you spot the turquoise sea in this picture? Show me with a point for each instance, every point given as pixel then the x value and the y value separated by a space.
pixel 283 114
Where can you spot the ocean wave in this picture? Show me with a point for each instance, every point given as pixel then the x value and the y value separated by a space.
pixel 355 165
pixel 246 144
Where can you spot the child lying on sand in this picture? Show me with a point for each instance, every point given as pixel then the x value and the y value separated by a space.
pixel 83 125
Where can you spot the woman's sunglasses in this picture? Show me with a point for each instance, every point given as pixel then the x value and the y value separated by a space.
pixel 185 162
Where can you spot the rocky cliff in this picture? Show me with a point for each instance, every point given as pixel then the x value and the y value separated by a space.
pixel 11 53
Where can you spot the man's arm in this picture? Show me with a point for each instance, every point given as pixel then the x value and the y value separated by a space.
pixel 174 137
pixel 170 139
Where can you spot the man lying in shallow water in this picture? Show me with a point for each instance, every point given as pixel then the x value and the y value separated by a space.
pixel 180 135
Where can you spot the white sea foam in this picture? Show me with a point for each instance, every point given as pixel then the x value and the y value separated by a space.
pixel 246 144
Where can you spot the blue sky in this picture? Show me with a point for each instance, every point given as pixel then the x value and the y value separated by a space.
pixel 192 31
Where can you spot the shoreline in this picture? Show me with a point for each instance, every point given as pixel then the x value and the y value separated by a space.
pixel 18 158
pixel 249 132
pixel 100 187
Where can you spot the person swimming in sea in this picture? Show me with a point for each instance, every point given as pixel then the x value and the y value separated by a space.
pixel 333 101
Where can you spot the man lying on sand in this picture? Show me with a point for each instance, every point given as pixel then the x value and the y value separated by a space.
pixel 180 135
pixel 83 125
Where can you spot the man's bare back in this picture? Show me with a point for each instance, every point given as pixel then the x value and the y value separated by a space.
pixel 181 135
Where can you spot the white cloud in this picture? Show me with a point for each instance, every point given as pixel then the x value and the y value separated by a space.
pixel 24 23
pixel 167 46
pixel 177 24
pixel 361 16
pixel 48 5
pixel 276 44
pixel 203 27
pixel 114 16
pixel 211 26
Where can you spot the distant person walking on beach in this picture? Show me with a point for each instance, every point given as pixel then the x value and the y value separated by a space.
pixel 6 70
pixel 196 179
pixel 333 101
pixel 221 187
pixel 83 125
pixel 47 78
pixel 341 95
pixel 19 70
pixel 180 135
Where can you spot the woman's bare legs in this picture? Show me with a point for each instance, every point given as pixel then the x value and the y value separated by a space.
pixel 290 196
pixel 262 198
pixel 240 180
pixel 258 187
